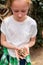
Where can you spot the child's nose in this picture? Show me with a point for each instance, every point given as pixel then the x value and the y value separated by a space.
pixel 19 15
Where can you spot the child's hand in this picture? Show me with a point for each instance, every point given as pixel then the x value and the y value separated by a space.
pixel 25 51
pixel 18 54
pixel 22 52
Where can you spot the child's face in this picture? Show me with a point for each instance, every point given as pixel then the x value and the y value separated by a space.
pixel 19 9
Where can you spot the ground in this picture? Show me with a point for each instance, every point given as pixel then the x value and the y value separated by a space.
pixel 37 56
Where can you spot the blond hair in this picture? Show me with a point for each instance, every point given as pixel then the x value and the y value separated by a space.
pixel 28 1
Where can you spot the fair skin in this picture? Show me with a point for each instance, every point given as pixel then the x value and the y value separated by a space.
pixel 19 9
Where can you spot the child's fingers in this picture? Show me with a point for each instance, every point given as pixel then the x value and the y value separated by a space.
pixel 25 52
pixel 17 54
pixel 21 57
pixel 25 55
pixel 17 49
pixel 22 53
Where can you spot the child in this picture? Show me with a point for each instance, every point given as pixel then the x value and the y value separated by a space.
pixel 19 33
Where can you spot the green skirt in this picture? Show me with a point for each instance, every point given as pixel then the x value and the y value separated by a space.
pixel 12 61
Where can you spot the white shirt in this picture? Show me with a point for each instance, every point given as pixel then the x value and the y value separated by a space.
pixel 18 33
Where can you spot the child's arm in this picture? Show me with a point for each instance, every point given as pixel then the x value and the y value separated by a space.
pixel 32 42
pixel 6 44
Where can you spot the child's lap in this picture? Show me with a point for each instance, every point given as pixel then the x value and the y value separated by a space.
pixel 14 61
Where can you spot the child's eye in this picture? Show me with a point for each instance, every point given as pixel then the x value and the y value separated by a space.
pixel 23 11
pixel 16 11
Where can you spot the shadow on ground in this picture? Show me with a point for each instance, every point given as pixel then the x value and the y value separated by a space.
pixel 37 56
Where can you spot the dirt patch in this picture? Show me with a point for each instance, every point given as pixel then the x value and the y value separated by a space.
pixel 37 56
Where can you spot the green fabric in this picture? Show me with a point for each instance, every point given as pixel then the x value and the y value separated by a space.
pixel 4 60
pixel 28 63
pixel 5 51
pixel 28 58
pixel 12 61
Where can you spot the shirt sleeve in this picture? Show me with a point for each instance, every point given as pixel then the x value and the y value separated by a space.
pixel 33 30
pixel 3 28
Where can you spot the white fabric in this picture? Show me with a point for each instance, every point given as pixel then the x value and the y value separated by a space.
pixel 18 33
